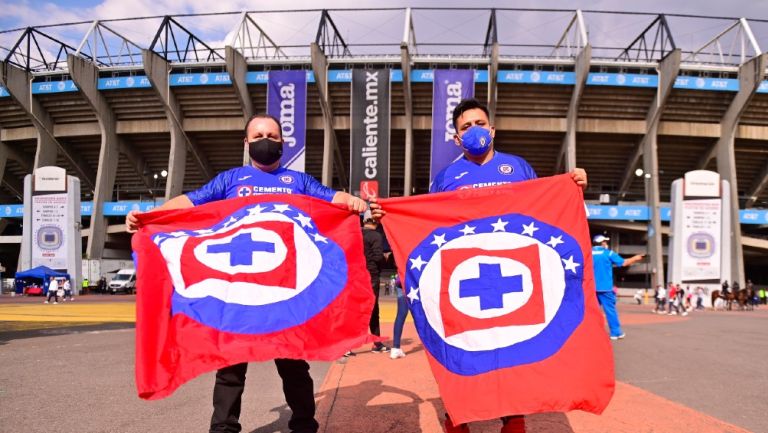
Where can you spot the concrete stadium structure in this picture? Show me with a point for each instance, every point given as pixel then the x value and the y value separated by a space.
pixel 116 113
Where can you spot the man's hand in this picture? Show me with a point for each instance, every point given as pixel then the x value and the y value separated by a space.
pixel 132 222
pixel 377 212
pixel 579 175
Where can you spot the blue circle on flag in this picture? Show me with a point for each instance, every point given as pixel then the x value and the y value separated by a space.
pixel 546 342
pixel 275 316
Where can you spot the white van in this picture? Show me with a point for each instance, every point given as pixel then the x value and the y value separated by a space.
pixel 124 281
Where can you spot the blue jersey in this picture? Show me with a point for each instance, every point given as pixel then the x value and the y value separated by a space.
pixel 603 260
pixel 502 168
pixel 249 180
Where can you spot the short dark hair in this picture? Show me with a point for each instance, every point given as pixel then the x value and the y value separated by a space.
pixel 262 116
pixel 466 105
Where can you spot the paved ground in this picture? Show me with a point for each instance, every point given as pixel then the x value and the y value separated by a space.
pixel 702 373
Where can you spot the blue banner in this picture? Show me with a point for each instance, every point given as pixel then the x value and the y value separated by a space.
pixel 4 92
pixel 132 82
pixel 204 79
pixel 287 101
pixel 536 77
pixel 53 87
pixel 449 87
pixel 700 83
pixel 428 75
pixel 262 77
pixel 121 208
pixel 623 80
pixel 596 212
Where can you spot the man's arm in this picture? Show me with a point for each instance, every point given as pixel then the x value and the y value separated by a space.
pixel 353 203
pixel 632 260
pixel 178 202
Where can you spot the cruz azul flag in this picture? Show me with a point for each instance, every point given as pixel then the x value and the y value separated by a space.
pixel 246 279
pixel 499 281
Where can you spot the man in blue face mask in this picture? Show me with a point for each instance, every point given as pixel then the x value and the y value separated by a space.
pixel 482 166
pixel 264 175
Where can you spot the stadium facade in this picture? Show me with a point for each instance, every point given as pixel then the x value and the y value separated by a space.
pixel 142 122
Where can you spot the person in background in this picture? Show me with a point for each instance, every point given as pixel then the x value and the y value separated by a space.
pixel 402 313
pixel 603 261
pixel 67 291
pixel 699 298
pixel 661 299
pixel 53 291
pixel 638 297
pixel 374 257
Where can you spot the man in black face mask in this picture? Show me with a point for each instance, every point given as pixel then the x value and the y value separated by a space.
pixel 264 142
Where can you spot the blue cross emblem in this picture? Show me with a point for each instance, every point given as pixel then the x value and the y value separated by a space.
pixel 241 249
pixel 490 286
pixel 244 191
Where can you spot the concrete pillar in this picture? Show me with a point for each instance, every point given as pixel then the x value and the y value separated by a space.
pixel 237 69
pixel 86 77
pixel 330 143
pixel 18 83
pixel 493 70
pixel 3 158
pixel 12 184
pixel 405 62
pixel 751 74
pixel 669 68
pixel 567 155
pixel 157 70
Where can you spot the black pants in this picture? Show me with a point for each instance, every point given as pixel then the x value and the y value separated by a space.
pixel 53 294
pixel 297 387
pixel 373 325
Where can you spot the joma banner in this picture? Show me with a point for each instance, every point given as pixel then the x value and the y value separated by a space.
pixel 287 101
pixel 369 135
pixel 449 87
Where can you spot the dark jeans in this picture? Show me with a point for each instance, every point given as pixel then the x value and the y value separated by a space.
pixel 53 294
pixel 297 387
pixel 402 313
pixel 373 325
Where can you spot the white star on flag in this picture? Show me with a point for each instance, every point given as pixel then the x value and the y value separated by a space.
pixel 304 220
pixel 570 265
pixel 500 226
pixel 555 241
pixel 280 208
pixel 413 294
pixel 255 210
pixel 439 240
pixel 319 238
pixel 467 230
pixel 231 221
pixel 529 229
pixel 204 231
pixel 417 263
pixel 177 234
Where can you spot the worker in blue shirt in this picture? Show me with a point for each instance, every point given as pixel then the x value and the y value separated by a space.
pixel 482 166
pixel 603 261
pixel 264 143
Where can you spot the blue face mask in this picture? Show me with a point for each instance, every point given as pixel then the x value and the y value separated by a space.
pixel 476 141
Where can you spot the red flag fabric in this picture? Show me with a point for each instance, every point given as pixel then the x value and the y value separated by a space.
pixel 499 281
pixel 246 279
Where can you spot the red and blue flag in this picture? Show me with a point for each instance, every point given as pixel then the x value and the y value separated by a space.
pixel 499 281
pixel 246 279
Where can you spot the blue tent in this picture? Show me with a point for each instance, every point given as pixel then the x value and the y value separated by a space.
pixel 42 273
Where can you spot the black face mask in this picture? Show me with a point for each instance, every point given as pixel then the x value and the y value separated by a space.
pixel 265 151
